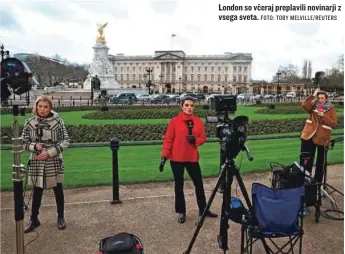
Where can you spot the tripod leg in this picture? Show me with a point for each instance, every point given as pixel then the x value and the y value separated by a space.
pixel 224 221
pixel 202 218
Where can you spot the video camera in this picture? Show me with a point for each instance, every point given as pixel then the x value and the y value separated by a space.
pixel 232 133
pixel 15 77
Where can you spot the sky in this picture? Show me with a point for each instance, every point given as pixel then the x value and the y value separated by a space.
pixel 140 27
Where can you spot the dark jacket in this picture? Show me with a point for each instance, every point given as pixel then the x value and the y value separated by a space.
pixel 176 146
pixel 319 129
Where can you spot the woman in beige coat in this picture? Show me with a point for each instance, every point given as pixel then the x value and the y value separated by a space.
pixel 317 131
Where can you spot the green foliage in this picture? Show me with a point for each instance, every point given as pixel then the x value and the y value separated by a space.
pixel 4 111
pixel 281 110
pixel 143 113
pixel 104 133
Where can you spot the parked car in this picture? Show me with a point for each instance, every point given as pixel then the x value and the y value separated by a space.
pixel 199 96
pixel 291 95
pixel 161 98
pixel 244 96
pixel 125 98
pixel 269 96
pixel 259 96
pixel 144 97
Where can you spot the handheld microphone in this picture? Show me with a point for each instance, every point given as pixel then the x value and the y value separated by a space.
pixel 161 165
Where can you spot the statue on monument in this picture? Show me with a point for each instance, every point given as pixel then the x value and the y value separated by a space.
pixel 100 37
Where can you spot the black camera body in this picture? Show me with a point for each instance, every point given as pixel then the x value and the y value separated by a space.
pixel 232 133
pixel 15 77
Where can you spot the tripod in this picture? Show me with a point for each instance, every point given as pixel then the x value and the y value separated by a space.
pixel 327 190
pixel 228 171
pixel 18 173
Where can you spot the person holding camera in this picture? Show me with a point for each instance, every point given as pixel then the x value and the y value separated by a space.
pixel 184 134
pixel 317 132
pixel 45 136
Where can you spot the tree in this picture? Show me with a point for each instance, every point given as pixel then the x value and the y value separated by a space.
pixel 341 62
pixel 289 74
pixel 310 70
pixel 305 70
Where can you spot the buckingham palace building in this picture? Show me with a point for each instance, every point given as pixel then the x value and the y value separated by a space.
pixel 175 72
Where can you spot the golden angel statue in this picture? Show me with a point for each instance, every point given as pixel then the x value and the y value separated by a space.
pixel 100 37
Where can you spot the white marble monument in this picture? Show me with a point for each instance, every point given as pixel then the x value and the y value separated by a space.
pixel 101 65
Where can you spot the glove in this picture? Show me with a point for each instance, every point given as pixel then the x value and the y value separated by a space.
pixel 161 165
pixel 316 91
pixel 191 139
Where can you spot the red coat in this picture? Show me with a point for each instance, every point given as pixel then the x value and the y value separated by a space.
pixel 175 144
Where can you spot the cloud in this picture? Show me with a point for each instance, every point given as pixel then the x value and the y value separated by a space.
pixel 7 19
pixel 164 7
pixel 139 27
pixel 306 29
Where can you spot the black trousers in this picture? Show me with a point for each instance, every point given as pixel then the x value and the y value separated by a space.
pixel 194 171
pixel 308 146
pixel 37 199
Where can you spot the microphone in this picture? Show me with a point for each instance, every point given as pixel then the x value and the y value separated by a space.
pixel 161 165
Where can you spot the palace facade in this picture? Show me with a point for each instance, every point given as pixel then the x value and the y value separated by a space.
pixel 176 72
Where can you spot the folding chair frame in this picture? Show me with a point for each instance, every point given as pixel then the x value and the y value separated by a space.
pixel 251 232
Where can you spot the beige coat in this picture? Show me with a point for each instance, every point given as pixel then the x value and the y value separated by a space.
pixel 317 128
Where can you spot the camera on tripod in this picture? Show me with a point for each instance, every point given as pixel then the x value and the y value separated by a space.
pixel 15 77
pixel 232 133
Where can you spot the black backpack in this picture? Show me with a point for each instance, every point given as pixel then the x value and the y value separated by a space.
pixel 121 243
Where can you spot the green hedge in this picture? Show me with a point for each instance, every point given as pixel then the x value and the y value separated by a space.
pixel 281 110
pixel 8 110
pixel 143 113
pixel 103 133
pixel 336 104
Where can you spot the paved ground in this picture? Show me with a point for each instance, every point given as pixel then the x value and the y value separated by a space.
pixel 147 211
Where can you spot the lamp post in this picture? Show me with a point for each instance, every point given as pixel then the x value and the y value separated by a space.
pixel 278 87
pixel 2 52
pixel 149 84
pixel 179 85
pixel 161 79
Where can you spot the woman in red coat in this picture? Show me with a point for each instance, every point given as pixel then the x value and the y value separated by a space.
pixel 184 134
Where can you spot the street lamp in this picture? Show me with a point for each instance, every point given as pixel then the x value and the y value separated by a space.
pixel 161 79
pixel 179 85
pixel 149 84
pixel 278 87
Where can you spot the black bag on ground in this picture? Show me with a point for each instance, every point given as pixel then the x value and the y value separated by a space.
pixel 121 243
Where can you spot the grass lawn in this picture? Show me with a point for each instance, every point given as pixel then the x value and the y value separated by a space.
pixel 92 166
pixel 74 118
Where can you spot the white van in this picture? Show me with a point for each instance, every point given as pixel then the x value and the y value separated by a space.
pixel 291 95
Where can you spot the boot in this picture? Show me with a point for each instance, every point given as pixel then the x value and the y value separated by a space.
pixel 181 217
pixel 61 224
pixel 32 225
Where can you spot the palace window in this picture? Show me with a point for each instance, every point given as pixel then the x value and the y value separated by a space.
pixel 205 77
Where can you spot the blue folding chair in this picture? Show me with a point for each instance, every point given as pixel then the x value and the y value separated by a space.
pixel 276 215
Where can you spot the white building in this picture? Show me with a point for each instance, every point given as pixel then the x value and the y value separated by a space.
pixel 176 72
